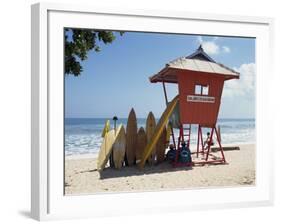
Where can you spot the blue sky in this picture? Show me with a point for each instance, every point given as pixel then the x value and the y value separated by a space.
pixel 116 79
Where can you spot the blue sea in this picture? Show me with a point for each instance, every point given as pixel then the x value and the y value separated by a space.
pixel 83 135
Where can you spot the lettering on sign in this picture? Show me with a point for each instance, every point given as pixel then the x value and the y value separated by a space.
pixel 201 99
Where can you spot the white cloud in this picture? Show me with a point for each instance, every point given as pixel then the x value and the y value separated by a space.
pixel 245 86
pixel 211 47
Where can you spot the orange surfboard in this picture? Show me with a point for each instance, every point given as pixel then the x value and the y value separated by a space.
pixel 141 143
pixel 131 138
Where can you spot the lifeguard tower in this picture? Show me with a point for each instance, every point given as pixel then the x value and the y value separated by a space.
pixel 200 83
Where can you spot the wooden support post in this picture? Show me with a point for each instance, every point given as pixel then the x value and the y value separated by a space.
pixel 182 135
pixel 166 100
pixel 198 141
pixel 202 143
pixel 179 143
pixel 220 147
pixel 218 131
pixel 173 136
pixel 165 92
pixel 209 143
pixel 179 138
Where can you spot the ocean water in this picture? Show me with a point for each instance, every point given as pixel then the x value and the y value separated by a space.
pixel 83 135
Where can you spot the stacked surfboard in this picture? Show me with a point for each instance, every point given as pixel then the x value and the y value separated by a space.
pixel 126 147
pixel 113 145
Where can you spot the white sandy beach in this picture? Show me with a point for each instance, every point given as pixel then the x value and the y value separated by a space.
pixel 81 176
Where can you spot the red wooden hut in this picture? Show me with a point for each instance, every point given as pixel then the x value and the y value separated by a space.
pixel 200 83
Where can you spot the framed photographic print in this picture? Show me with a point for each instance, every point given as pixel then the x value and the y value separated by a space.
pixel 154 111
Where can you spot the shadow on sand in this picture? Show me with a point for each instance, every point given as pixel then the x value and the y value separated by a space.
pixel 135 171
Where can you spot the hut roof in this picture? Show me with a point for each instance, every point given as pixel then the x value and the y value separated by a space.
pixel 199 62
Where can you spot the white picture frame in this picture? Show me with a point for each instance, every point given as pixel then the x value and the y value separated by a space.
pixel 48 201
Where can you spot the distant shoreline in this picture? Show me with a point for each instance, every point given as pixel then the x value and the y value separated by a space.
pixel 95 155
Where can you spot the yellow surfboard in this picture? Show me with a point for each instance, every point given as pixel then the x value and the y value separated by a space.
pixel 158 131
pixel 106 148
pixel 106 128
pixel 119 147
pixel 150 128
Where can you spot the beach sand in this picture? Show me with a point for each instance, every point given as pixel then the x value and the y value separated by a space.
pixel 81 176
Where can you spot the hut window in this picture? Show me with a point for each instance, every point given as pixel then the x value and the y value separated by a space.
pixel 198 89
pixel 205 90
pixel 201 90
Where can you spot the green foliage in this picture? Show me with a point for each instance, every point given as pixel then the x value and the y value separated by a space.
pixel 78 42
